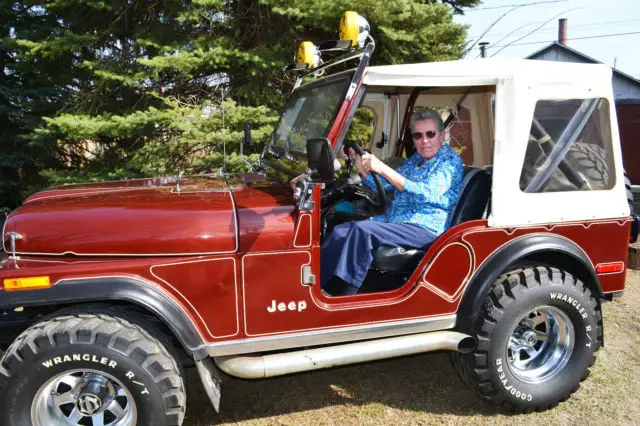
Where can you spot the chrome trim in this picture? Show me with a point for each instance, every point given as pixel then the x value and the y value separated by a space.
pixel 278 364
pixel 330 336
pixel 13 236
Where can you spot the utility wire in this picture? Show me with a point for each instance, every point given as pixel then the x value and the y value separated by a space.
pixel 573 27
pixel 513 7
pixel 489 28
pixel 534 30
pixel 512 32
pixel 516 5
pixel 573 38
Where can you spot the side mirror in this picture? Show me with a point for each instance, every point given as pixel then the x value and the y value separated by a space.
pixel 320 159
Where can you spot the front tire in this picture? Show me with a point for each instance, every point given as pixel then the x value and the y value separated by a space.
pixel 88 370
pixel 537 337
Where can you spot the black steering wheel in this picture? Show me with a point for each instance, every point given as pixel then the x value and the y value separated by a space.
pixel 382 203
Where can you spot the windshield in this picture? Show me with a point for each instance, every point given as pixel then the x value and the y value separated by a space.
pixel 309 113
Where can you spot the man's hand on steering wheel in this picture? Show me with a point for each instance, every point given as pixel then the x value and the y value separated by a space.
pixel 367 163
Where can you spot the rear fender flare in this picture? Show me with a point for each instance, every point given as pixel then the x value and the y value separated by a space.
pixel 510 254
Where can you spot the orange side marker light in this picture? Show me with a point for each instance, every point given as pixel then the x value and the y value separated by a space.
pixel 27 283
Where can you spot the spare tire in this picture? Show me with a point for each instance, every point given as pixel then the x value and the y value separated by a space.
pixel 590 160
pixel 627 186
pixel 585 160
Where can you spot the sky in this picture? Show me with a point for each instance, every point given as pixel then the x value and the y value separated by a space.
pixel 585 18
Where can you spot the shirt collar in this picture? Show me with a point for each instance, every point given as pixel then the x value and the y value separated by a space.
pixel 417 159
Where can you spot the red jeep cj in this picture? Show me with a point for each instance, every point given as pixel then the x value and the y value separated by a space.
pixel 104 288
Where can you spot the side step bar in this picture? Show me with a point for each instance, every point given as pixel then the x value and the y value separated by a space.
pixel 272 365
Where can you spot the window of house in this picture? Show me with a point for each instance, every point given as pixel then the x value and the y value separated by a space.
pixel 569 147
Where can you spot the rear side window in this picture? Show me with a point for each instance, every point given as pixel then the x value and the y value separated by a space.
pixel 569 147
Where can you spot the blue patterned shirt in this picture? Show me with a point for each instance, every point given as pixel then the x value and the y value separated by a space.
pixel 430 191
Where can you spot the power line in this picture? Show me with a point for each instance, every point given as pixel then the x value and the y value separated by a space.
pixel 535 29
pixel 515 5
pixel 489 28
pixel 571 28
pixel 574 38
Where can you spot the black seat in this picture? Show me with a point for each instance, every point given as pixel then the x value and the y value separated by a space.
pixel 474 196
pixel 472 204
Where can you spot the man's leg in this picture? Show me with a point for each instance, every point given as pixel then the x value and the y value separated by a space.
pixel 330 252
pixel 359 240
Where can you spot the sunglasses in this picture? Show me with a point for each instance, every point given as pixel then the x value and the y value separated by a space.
pixel 429 134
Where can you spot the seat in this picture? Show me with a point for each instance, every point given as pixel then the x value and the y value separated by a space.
pixel 472 204
pixel 474 196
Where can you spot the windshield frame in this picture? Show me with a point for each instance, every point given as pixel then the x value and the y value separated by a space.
pixel 278 151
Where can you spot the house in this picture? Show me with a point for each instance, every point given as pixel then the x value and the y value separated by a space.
pixel 626 90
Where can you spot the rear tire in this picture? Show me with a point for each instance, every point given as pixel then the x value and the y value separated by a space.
pixel 537 337
pixel 73 368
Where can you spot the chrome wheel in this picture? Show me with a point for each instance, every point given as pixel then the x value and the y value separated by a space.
pixel 540 345
pixel 83 397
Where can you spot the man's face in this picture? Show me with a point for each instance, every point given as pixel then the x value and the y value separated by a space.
pixel 429 138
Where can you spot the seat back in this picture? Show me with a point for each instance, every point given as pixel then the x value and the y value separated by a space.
pixel 474 196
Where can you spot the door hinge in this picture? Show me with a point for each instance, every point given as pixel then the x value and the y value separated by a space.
pixel 307 277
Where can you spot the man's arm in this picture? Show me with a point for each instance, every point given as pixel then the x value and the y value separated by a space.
pixel 370 163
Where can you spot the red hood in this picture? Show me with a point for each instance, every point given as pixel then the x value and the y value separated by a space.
pixel 128 218
pixel 151 217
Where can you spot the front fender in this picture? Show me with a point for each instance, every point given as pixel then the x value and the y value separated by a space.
pixel 124 289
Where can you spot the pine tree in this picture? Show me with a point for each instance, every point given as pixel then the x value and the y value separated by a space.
pixel 120 88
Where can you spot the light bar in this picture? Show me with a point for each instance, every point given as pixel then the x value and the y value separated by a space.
pixel 308 54
pixel 355 28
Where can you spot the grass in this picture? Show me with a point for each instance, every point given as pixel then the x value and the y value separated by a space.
pixel 425 389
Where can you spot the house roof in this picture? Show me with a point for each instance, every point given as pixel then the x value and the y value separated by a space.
pixel 583 57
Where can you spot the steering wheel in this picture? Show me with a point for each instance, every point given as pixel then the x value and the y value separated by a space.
pixel 382 203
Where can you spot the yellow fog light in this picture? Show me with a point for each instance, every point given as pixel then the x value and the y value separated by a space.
pixel 353 27
pixel 308 54
pixel 28 283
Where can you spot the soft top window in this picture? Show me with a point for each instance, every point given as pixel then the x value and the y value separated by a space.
pixel 569 147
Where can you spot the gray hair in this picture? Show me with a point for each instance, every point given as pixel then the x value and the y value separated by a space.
pixel 426 114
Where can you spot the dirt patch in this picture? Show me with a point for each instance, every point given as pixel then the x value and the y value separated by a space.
pixel 425 389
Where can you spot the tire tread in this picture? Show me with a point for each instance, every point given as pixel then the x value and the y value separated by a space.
pixel 514 282
pixel 169 379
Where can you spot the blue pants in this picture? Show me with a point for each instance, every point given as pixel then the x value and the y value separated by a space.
pixel 348 251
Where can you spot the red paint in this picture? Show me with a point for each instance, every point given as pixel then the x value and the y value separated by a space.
pixel 266 216
pixel 138 221
pixel 450 269
pixel 228 296
pixel 210 287
pixel 343 113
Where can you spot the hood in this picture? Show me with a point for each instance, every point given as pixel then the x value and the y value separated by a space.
pixel 141 217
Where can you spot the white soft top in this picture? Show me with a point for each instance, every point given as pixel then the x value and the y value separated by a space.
pixel 519 85
pixel 488 71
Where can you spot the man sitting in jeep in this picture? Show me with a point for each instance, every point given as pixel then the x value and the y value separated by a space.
pixel 426 188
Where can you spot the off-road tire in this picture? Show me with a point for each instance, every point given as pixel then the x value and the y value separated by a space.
pixel 82 344
pixel 491 372
pixel 591 161
pixel 627 187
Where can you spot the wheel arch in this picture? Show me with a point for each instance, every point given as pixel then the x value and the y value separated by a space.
pixel 542 248
pixel 118 291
